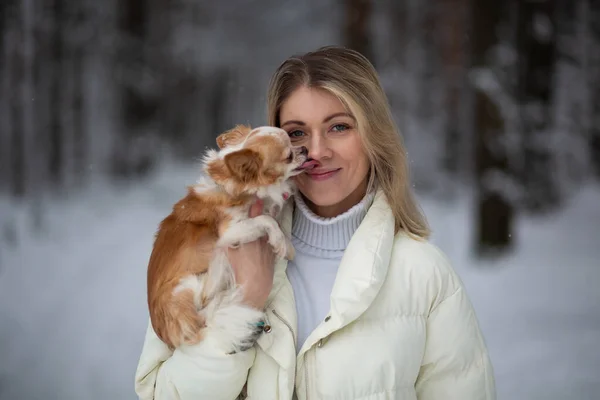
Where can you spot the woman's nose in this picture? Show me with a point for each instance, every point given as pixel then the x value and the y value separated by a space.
pixel 318 148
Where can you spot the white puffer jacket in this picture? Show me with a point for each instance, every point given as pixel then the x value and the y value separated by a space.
pixel 400 327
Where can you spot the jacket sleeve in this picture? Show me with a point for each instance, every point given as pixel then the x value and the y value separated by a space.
pixel 198 372
pixel 456 365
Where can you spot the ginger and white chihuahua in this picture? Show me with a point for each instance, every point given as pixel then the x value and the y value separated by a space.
pixel 191 285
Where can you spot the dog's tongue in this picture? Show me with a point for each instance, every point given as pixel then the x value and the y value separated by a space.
pixel 309 164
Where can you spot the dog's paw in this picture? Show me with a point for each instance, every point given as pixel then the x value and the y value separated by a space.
pixel 279 244
pixel 281 251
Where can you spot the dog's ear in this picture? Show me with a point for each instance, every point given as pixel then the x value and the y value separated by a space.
pixel 233 136
pixel 244 164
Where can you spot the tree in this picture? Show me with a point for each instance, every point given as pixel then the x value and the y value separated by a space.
pixel 357 26
pixel 16 82
pixel 452 27
pixel 77 58
pixel 536 49
pixel 131 155
pixel 218 104
pixel 427 67
pixel 594 98
pixel 494 211
pixel 56 160
pixel 47 137
pixel 413 77
pixel 4 99
pixel 396 59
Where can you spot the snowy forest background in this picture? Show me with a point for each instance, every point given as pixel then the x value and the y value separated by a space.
pixel 105 108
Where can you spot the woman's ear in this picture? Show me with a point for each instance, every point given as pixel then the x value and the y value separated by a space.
pixel 233 136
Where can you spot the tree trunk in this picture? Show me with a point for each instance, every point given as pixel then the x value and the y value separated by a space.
pixel 494 212
pixel 77 57
pixel 179 106
pixel 494 215
pixel 400 22
pixel 43 76
pixel 397 50
pixel 357 26
pixel 594 79
pixel 429 67
pixel 15 90
pixel 4 99
pixel 451 33
pixel 56 146
pixel 536 40
pixel 131 155
pixel 32 182
pixel 218 104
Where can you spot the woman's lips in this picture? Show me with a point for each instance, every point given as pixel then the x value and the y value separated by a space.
pixel 322 175
pixel 317 174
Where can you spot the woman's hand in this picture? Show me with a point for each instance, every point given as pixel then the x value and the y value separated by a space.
pixel 253 265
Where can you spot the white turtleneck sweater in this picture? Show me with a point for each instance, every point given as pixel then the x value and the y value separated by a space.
pixel 320 244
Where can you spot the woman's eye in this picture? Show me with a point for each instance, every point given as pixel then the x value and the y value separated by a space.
pixel 296 135
pixel 340 127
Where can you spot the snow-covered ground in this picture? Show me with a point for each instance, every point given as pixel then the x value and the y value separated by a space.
pixel 73 312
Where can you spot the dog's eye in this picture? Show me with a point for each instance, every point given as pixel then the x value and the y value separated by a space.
pixel 290 157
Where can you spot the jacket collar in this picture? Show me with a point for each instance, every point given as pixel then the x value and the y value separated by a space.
pixel 361 273
pixel 364 266
pixel 362 270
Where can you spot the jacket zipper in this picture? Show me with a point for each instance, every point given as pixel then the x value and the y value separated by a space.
pixel 279 317
pixel 306 369
pixel 311 354
pixel 275 313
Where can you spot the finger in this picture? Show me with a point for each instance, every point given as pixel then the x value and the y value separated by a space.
pixel 256 209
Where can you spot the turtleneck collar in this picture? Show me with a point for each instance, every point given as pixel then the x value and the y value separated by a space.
pixel 328 234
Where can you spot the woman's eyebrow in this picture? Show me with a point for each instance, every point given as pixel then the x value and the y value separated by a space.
pixel 327 119
pixel 340 114
pixel 292 122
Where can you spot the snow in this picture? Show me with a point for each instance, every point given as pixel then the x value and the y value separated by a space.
pixel 539 307
pixel 73 312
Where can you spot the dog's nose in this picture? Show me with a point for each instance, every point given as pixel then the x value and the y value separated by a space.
pixel 303 150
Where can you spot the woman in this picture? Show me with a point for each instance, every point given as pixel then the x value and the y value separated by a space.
pixel 368 309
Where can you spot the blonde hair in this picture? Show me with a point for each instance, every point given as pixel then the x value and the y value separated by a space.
pixel 352 78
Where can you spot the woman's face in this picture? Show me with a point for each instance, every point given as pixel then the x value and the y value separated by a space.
pixel 318 120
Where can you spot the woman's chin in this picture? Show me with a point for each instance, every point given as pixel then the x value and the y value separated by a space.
pixel 318 200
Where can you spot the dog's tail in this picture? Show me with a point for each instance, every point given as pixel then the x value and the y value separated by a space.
pixel 177 320
pixel 208 306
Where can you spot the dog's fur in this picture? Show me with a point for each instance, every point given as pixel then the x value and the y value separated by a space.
pixel 191 285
